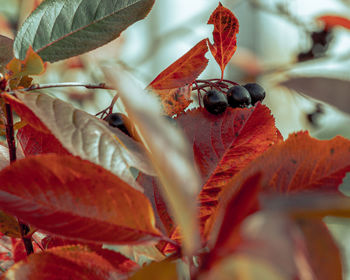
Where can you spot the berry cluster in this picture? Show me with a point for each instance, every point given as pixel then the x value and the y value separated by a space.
pixel 216 101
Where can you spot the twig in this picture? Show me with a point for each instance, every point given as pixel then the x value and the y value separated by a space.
pixel 10 136
pixel 89 86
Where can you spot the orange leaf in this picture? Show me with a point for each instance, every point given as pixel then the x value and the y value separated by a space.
pixel 176 100
pixel 301 163
pixel 334 21
pixel 67 196
pixel 71 262
pixel 226 27
pixel 184 70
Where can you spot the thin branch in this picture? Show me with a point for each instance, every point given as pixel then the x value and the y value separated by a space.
pixel 10 136
pixel 73 84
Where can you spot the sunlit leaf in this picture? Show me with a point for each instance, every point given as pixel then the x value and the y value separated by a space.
pixel 82 134
pixel 184 70
pixel 63 263
pixel 301 163
pixel 67 196
pixel 331 21
pixel 169 152
pixel 61 29
pixel 225 31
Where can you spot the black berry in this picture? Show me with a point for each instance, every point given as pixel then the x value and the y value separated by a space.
pixel 238 96
pixel 215 102
pixel 117 120
pixel 257 92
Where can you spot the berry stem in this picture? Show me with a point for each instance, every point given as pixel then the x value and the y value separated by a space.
pixel 10 137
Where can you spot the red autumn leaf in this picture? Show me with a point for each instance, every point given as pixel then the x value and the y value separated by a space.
pixel 49 242
pixel 234 207
pixel 184 70
pixel 175 100
pixel 119 261
pixel 26 114
pixel 301 163
pixel 225 144
pixel 70 262
pixel 331 21
pixel 67 196
pixel 324 254
pixel 35 142
pixel 226 27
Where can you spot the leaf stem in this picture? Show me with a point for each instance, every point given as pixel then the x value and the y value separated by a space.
pixel 10 137
pixel 73 84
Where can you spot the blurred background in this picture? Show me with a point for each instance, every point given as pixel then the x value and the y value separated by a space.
pixel 303 66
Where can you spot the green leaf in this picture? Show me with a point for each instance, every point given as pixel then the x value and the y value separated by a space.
pixel 59 29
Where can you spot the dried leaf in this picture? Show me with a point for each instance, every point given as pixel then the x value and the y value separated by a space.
pixel 19 70
pixel 225 31
pixel 67 196
pixel 169 152
pixel 176 100
pixel 184 70
pixel 330 90
pixel 9 225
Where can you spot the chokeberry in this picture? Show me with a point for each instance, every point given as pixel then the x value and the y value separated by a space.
pixel 257 92
pixel 215 102
pixel 238 96
pixel 117 120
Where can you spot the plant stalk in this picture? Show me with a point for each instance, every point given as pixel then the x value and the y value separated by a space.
pixel 10 136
